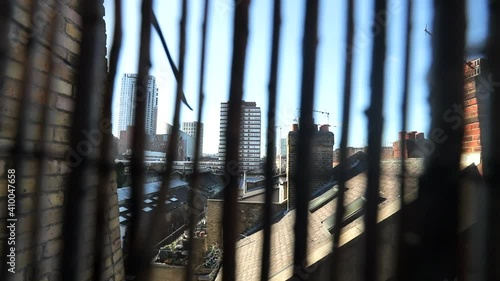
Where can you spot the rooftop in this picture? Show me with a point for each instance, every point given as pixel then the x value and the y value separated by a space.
pixel 249 249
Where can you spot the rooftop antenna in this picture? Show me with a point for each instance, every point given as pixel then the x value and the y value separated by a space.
pixel 427 31
pixel 296 119
pixel 325 113
pixel 468 63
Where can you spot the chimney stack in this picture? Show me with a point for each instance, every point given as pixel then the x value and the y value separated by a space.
pixel 401 135
pixel 411 135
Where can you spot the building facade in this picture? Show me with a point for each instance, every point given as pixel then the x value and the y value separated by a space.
pixel 250 133
pixel 190 129
pixel 127 103
pixel 62 66
pixel 283 146
pixel 185 146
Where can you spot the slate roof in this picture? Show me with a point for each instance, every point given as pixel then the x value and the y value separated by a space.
pixel 150 189
pixel 249 249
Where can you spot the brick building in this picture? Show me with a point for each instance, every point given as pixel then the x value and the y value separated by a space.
pixel 415 144
pixel 478 87
pixel 64 54
pixel 250 133
pixel 159 142
pixel 322 160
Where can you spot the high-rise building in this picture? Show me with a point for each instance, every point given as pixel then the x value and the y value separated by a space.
pixel 127 103
pixel 249 135
pixel 282 146
pixel 190 129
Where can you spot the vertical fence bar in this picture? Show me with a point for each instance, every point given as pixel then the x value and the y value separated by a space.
pixel 106 158
pixel 136 261
pixel 436 215
pixel 85 102
pixel 172 142
pixel 344 139
pixel 19 152
pixel 306 131
pixel 271 142
pixel 491 150
pixel 5 18
pixel 193 198
pixel 375 129
pixel 231 163
pixel 402 141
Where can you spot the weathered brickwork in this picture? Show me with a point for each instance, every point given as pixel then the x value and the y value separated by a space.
pixel 416 145
pixel 61 100
pixel 478 89
pixel 322 162
pixel 251 215
pixel 472 132
pixel 214 222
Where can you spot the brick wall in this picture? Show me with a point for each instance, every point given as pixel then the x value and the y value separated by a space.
pixel 472 144
pixel 60 97
pixel 322 161
pixel 163 272
pixel 415 145
pixel 251 214
pixel 214 222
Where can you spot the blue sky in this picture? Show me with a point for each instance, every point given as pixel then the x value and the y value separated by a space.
pixel 330 62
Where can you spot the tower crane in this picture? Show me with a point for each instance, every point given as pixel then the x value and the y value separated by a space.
pixel 325 113
pixel 296 119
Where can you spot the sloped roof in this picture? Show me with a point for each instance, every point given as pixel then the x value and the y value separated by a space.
pixel 249 249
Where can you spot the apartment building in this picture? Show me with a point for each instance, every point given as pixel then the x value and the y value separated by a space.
pixel 250 134
pixel 126 115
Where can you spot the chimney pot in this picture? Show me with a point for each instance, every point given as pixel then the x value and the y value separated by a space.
pixel 401 135
pixel 410 135
pixel 295 127
pixel 324 128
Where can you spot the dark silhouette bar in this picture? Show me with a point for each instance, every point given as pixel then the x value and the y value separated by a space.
pixel 432 218
pixel 193 208
pixel 77 196
pixel 106 161
pixel 231 163
pixel 271 141
pixel 137 260
pixel 375 129
pixel 404 122
pixel 304 157
pixel 491 149
pixel 346 121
